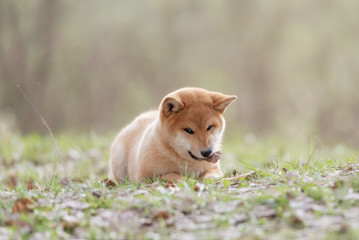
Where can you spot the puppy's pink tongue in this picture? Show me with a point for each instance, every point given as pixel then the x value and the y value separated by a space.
pixel 214 157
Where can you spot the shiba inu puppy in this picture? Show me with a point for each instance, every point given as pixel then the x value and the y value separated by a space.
pixel 182 138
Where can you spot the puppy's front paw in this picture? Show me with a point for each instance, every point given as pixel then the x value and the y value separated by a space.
pixel 211 174
pixel 173 177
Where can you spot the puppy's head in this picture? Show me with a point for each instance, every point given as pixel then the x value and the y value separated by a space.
pixel 192 121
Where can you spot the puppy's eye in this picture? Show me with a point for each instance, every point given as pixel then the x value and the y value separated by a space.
pixel 209 127
pixel 188 130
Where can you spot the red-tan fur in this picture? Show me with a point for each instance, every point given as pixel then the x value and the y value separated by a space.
pixel 155 143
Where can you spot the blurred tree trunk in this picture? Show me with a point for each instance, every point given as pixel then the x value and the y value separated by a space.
pixel 26 59
pixel 12 56
pixel 257 58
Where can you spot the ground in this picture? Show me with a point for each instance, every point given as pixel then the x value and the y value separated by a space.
pixel 273 189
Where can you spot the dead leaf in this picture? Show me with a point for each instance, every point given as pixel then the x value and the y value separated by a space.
pixel 160 214
pixel 70 222
pixel 198 187
pixel 214 157
pixel 65 182
pixel 263 211
pixel 245 176
pixel 349 168
pixel 14 220
pixel 96 193
pixel 11 181
pixel 145 222
pixel 108 183
pixel 170 185
pixel 22 206
pixel 238 219
pixel 297 221
pixel 69 226
pixel 30 185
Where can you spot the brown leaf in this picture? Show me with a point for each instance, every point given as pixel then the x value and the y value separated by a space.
pixel 297 221
pixel 214 157
pixel 11 181
pixel 109 184
pixel 96 193
pixel 69 226
pixel 160 214
pixel 349 168
pixel 198 187
pixel 22 206
pixel 170 185
pixel 30 185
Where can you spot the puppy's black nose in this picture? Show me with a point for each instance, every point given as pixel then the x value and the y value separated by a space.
pixel 207 152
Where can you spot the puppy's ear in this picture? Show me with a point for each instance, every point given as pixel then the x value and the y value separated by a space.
pixel 171 105
pixel 221 101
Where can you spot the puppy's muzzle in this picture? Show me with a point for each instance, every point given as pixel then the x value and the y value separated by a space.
pixel 206 153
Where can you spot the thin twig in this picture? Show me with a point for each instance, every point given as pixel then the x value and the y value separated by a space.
pixel 311 153
pixel 50 132
pixel 277 163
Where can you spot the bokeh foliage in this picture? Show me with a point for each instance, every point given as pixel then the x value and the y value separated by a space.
pixel 97 64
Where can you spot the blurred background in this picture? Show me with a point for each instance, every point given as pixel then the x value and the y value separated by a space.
pixel 95 65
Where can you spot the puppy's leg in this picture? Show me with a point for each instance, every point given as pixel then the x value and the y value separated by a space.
pixel 118 162
pixel 211 173
pixel 173 177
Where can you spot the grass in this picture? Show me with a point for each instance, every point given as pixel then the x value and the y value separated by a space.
pixel 271 190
